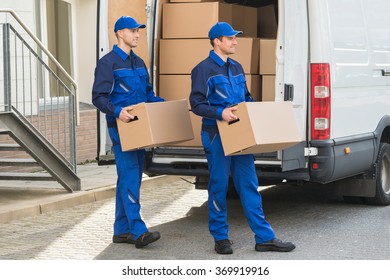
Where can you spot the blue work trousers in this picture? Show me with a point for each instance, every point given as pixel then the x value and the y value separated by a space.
pixel 129 166
pixel 242 169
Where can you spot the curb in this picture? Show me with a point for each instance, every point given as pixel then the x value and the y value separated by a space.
pixel 68 200
pixel 57 203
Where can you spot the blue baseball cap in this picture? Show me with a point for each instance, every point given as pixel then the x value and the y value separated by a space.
pixel 127 22
pixel 222 29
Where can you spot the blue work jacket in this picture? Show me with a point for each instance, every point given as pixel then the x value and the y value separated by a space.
pixel 121 80
pixel 217 85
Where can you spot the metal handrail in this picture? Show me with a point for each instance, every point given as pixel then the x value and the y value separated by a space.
pixel 54 114
pixel 47 52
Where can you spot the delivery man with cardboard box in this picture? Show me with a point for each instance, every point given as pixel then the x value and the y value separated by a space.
pixel 218 82
pixel 122 80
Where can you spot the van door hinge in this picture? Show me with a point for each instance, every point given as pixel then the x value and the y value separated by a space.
pixel 288 92
pixel 309 152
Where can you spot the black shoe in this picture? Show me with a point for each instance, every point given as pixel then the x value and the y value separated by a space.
pixel 124 238
pixel 147 238
pixel 224 247
pixel 275 245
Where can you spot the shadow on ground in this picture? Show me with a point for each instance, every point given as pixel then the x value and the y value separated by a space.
pixel 312 216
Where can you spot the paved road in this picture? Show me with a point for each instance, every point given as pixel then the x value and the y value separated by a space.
pixel 320 223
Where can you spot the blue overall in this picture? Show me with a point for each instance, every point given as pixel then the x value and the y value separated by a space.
pixel 122 80
pixel 217 85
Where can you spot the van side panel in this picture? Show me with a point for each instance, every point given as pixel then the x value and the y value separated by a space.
pixel 358 50
pixel 354 38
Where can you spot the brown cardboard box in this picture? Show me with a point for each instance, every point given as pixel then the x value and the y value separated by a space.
pixel 262 127
pixel 247 53
pixel 268 88
pixel 157 124
pixel 180 56
pixel 267 25
pixel 253 83
pixel 267 57
pixel 245 20
pixel 193 20
pixel 196 123
pixel 176 87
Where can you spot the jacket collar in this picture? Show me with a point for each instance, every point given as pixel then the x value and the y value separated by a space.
pixel 219 60
pixel 121 53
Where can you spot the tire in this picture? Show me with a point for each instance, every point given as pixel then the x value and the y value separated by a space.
pixel 382 195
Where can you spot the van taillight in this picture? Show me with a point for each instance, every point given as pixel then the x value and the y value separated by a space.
pixel 320 101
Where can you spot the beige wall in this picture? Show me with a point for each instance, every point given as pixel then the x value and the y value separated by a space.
pixel 85 46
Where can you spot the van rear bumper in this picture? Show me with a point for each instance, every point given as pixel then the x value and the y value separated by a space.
pixel 341 158
pixel 266 177
pixel 173 162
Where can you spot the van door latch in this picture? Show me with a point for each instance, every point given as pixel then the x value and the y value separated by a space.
pixel 385 72
pixel 288 92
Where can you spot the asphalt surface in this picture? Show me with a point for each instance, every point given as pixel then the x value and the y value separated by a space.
pixel 321 224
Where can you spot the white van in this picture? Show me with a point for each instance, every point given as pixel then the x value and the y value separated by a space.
pixel 333 64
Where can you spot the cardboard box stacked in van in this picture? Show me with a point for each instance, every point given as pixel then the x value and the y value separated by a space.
pixel 185 43
pixel 267 28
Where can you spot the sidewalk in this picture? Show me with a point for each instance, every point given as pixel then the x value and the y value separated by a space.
pixel 19 199
pixel 41 221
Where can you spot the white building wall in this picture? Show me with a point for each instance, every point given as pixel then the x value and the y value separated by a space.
pixel 21 79
pixel 84 37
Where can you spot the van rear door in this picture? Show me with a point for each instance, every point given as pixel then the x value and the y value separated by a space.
pixel 290 85
pixel 292 73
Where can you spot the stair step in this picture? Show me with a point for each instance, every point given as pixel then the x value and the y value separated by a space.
pixel 18 162
pixel 35 144
pixel 10 147
pixel 25 176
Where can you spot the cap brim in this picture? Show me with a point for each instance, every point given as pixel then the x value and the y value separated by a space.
pixel 236 32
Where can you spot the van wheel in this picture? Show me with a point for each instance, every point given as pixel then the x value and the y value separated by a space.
pixel 382 195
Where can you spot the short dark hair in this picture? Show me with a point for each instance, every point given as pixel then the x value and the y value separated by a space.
pixel 212 40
